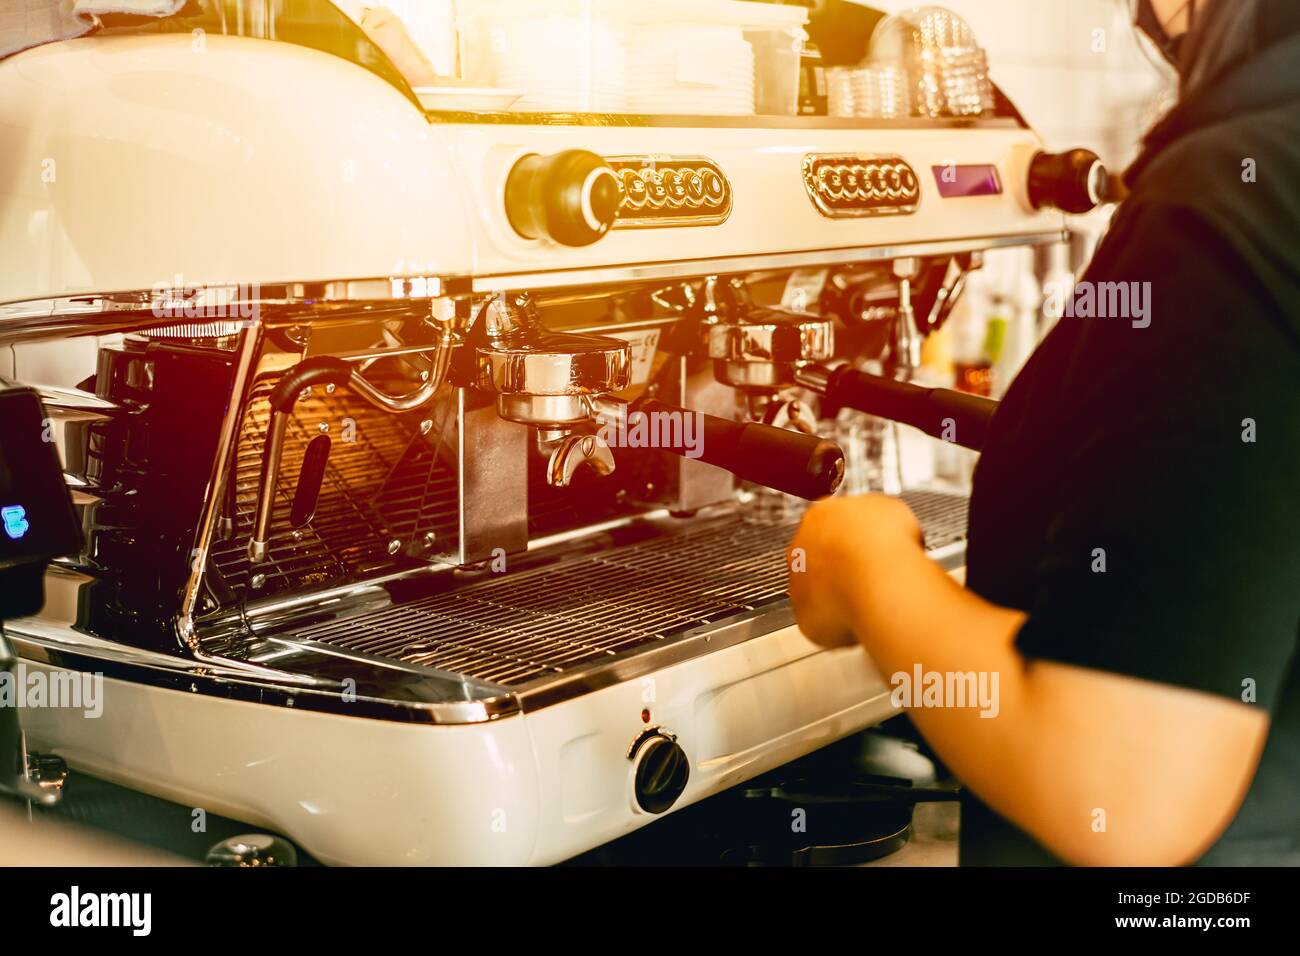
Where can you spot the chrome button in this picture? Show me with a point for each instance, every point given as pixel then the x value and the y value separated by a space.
pixel 674 190
pixel 715 189
pixel 852 182
pixel 656 194
pixel 878 183
pixel 909 182
pixel 894 183
pixel 693 183
pixel 634 188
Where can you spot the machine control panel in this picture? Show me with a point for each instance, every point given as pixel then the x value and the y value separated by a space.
pixel 670 191
pixel 851 186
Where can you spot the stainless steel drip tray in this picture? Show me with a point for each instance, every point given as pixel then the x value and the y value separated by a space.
pixel 611 612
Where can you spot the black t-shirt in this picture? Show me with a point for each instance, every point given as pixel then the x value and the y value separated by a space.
pixel 1139 498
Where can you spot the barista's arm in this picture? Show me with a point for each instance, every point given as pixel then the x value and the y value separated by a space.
pixel 1100 768
pixel 1170 443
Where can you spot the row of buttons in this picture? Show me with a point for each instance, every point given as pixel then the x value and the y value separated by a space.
pixel 662 190
pixel 858 186
pixel 867 182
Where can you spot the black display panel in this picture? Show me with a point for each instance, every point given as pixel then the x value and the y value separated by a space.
pixel 37 520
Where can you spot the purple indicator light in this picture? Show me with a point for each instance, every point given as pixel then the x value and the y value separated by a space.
pixel 956 182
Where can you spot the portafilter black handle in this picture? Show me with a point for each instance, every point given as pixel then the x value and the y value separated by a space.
pixel 789 461
pixel 939 412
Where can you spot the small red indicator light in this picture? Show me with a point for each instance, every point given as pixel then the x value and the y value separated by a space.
pixel 645 716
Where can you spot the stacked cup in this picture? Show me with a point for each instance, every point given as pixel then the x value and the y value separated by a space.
pixel 877 91
pixel 947 70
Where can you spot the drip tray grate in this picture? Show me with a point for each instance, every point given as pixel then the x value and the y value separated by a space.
pixel 524 626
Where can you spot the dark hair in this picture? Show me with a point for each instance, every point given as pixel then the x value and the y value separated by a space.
pixel 1228 32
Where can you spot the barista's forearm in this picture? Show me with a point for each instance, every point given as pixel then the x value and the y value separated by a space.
pixel 914 614
pixel 1098 767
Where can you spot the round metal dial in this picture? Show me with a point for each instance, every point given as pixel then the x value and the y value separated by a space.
pixel 571 197
pixel 661 773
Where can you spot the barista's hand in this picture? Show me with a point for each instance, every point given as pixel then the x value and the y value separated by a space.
pixel 843 547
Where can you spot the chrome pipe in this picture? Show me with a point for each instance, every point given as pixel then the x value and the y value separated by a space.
pixel 395 403
pixel 250 346
pixel 421 396
pixel 257 542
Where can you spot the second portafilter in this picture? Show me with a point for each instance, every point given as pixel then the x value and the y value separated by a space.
pixel 758 351
pixel 557 381
pixel 765 351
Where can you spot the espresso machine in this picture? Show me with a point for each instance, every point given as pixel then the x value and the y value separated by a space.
pixel 436 457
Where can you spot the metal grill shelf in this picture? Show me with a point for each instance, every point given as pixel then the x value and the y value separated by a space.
pixel 522 627
pixel 942 516
pixel 384 485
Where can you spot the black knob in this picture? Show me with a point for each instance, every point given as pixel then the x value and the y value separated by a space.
pixel 1073 182
pixel 570 197
pixel 661 772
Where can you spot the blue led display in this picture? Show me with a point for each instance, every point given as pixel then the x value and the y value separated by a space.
pixel 15 521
